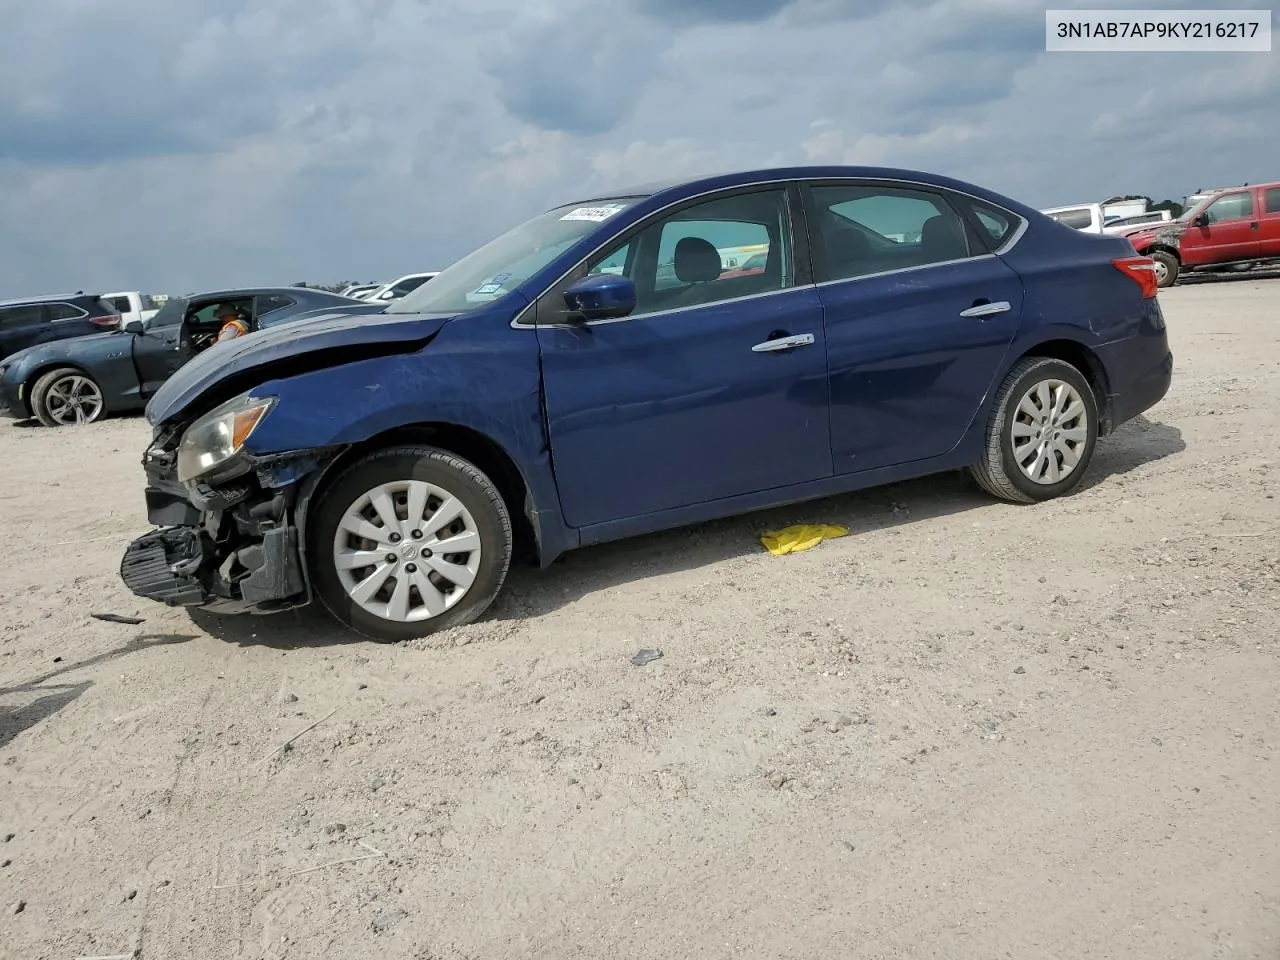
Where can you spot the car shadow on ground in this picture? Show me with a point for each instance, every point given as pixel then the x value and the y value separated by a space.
pixel 52 697
pixel 530 592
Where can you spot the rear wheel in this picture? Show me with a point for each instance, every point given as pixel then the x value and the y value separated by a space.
pixel 66 397
pixel 409 541
pixel 1167 268
pixel 1041 434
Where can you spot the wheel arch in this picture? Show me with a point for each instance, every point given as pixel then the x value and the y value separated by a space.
pixel 1161 247
pixel 486 453
pixel 1087 362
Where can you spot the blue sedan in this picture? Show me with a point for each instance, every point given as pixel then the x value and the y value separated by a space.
pixel 604 370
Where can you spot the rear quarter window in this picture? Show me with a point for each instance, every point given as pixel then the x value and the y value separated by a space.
pixel 1273 200
pixel 268 305
pixel 995 227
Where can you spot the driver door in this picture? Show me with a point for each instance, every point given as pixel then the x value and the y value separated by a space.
pixel 685 402
pixel 158 351
pixel 1231 234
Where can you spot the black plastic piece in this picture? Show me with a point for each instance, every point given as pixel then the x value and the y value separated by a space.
pixel 280 575
pixel 148 567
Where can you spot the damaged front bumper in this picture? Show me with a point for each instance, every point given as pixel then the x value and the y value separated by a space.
pixel 228 543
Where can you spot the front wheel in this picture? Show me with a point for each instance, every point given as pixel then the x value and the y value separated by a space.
pixel 408 541
pixel 66 397
pixel 1041 434
pixel 1167 268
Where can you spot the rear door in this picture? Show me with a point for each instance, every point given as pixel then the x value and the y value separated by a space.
pixel 1230 235
pixel 22 327
pixel 1269 223
pixel 919 316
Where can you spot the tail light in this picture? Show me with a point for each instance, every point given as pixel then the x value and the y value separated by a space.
pixel 1142 271
pixel 110 321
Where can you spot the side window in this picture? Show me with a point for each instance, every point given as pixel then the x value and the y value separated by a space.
pixel 1234 206
pixel 615 263
pixel 682 260
pixel 1273 200
pixel 120 303
pixel 874 229
pixel 271 304
pixel 206 317
pixel 64 311
pixel 27 316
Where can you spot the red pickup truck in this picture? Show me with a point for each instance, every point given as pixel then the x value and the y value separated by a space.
pixel 1233 227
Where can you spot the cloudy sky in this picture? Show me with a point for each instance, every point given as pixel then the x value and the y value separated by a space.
pixel 175 146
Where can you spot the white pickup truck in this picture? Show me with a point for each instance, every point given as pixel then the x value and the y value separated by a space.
pixel 134 305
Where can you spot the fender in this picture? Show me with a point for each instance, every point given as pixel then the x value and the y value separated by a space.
pixel 435 388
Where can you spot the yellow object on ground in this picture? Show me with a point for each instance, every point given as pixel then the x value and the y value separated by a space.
pixel 801 536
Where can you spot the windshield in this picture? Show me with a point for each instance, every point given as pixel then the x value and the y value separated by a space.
pixel 503 264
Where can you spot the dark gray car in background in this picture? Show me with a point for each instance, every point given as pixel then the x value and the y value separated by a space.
pixel 78 381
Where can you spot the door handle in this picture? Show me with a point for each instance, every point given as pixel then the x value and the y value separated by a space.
pixel 987 309
pixel 784 343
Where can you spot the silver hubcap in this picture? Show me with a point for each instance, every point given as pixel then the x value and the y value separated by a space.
pixel 407 551
pixel 1162 271
pixel 74 399
pixel 1050 430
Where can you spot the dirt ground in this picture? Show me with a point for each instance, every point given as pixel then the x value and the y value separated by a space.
pixel 968 730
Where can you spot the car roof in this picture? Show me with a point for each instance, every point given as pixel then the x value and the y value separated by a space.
pixel 258 292
pixel 691 186
pixel 46 298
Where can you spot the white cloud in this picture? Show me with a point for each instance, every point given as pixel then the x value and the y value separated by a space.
pixel 185 146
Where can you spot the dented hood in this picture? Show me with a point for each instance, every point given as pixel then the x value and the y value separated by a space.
pixel 238 359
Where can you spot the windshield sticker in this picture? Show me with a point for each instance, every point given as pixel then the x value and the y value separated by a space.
pixel 595 214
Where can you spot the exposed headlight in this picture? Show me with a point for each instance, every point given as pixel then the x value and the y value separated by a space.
pixel 219 435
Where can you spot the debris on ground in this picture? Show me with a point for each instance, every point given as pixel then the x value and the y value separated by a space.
pixel 118 618
pixel 799 537
pixel 643 657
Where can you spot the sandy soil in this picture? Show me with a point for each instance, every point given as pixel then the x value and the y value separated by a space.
pixel 968 730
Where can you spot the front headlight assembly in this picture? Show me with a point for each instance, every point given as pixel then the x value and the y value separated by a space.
pixel 218 436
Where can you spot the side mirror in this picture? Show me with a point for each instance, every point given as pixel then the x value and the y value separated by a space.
pixel 135 327
pixel 605 296
pixel 1202 220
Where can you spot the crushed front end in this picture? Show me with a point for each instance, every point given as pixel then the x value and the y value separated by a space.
pixel 227 539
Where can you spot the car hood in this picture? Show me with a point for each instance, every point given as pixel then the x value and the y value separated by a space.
pixel 54 349
pixel 236 358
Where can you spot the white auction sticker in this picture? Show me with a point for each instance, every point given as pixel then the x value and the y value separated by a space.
pixel 1156 31
pixel 598 214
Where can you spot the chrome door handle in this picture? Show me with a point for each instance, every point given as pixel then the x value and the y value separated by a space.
pixel 987 309
pixel 784 343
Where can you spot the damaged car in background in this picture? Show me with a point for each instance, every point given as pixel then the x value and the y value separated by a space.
pixel 558 388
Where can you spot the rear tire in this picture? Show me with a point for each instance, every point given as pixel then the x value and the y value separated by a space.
pixel 439 563
pixel 67 397
pixel 1042 432
pixel 1167 268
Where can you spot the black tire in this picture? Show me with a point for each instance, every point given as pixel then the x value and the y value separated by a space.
pixel 1169 268
pixel 40 403
pixel 453 474
pixel 998 472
